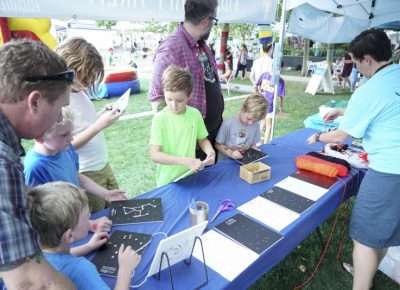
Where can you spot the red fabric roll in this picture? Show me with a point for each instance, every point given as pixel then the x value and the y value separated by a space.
pixel 320 166
pixel 120 77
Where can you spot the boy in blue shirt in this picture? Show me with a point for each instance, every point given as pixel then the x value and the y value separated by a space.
pixel 53 158
pixel 60 214
pixel 177 129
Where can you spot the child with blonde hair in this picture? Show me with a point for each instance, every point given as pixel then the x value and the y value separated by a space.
pixel 60 214
pixel 177 129
pixel 242 131
pixel 87 127
pixel 53 158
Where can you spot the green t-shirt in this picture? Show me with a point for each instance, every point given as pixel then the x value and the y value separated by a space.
pixel 177 134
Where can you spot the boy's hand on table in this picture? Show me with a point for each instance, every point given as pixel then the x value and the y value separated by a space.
pixel 102 224
pixel 97 240
pixel 128 259
pixel 236 154
pixel 115 194
pixel 195 164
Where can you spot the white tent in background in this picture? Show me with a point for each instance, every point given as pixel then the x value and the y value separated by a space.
pixel 229 11
pixel 339 21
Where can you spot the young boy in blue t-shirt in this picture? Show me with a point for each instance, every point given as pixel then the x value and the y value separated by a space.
pixel 177 129
pixel 59 213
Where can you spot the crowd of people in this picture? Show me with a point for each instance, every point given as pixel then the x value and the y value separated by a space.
pixel 45 199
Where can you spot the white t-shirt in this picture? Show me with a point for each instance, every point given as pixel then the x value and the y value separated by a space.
pixel 93 155
pixel 261 65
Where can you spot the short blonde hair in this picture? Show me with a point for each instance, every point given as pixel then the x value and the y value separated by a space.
pixel 21 59
pixel 85 60
pixel 67 117
pixel 54 208
pixel 256 106
pixel 177 79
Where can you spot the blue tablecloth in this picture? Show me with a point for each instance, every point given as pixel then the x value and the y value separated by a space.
pixel 222 181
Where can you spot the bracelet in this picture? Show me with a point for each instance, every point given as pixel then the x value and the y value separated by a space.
pixel 317 136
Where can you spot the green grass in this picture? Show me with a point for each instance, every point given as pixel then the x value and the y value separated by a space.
pixel 130 159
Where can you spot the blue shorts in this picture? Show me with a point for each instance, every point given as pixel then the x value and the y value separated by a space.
pixel 375 220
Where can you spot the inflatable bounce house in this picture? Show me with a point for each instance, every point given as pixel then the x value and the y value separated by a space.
pixel 117 82
pixel 33 28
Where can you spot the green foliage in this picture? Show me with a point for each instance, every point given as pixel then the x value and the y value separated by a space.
pixel 106 23
pixel 160 28
pixel 244 32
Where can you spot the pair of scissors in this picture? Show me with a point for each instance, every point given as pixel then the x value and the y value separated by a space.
pixel 225 205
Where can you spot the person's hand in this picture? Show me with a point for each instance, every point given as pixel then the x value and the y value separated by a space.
pixel 108 118
pixel 128 259
pixel 210 159
pixel 115 194
pixel 195 164
pixel 236 154
pixel 102 224
pixel 332 115
pixel 97 240
pixel 312 139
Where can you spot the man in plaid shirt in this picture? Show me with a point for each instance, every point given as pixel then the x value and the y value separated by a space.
pixel 187 48
pixel 35 85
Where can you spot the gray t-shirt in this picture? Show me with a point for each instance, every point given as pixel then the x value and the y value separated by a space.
pixel 237 135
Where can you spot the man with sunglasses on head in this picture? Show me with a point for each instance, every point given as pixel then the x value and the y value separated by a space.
pixel 35 85
pixel 187 48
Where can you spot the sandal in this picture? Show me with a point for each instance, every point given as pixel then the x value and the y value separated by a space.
pixel 350 269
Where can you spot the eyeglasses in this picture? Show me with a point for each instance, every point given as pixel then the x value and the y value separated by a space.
pixel 214 19
pixel 68 75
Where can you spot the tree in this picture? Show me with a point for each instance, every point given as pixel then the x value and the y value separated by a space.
pixel 160 28
pixel 106 23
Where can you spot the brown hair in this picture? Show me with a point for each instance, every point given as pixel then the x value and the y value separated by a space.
pixel 177 79
pixel 256 106
pixel 54 208
pixel 85 60
pixel 24 58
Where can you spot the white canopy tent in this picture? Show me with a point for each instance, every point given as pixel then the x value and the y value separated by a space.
pixel 339 21
pixel 229 11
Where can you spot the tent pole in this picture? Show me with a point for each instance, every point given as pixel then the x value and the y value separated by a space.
pixel 277 64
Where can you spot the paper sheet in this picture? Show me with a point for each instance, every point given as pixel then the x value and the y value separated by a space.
pixel 122 103
pixel 302 188
pixel 223 255
pixel 269 213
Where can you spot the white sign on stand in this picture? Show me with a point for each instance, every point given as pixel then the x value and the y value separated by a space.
pixel 322 77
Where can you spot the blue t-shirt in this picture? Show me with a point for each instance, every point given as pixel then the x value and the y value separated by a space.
pixel 40 169
pixel 373 113
pixel 267 89
pixel 79 270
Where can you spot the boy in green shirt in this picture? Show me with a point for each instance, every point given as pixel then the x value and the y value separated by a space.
pixel 177 129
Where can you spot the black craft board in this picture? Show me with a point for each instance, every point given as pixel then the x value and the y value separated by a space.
pixel 315 178
pixel 251 155
pixel 249 233
pixel 106 259
pixel 136 211
pixel 288 199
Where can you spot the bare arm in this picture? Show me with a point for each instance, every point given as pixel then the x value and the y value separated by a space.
pixel 105 120
pixel 128 260
pixel 96 241
pixel 329 137
pixel 91 186
pixel 227 151
pixel 207 148
pixel 154 106
pixel 160 157
pixel 36 274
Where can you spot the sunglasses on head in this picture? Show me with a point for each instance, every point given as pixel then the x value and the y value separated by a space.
pixel 62 76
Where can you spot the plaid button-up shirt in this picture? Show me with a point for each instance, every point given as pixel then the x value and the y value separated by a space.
pixel 17 238
pixel 182 50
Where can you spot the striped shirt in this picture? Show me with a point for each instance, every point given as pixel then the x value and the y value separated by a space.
pixel 17 238
pixel 181 49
